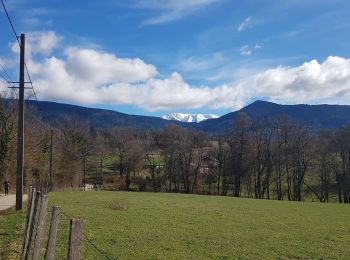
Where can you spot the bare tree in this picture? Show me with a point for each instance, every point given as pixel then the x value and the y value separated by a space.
pixel 343 176
pixel 239 146
pixel 7 134
pixel 150 146
pixel 301 140
pixel 217 161
pixel 120 140
pixel 262 133
pixel 102 150
pixel 74 148
pixel 170 137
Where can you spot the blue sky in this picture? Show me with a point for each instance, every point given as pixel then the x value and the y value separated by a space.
pixel 196 56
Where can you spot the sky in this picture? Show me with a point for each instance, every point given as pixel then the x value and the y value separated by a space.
pixel 153 57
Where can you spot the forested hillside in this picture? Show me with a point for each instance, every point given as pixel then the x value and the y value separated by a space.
pixel 258 157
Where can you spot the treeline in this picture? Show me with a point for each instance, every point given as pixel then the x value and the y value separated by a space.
pixel 274 158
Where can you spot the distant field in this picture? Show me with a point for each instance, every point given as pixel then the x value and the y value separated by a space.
pixel 176 226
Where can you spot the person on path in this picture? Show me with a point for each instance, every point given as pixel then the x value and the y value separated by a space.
pixel 6 186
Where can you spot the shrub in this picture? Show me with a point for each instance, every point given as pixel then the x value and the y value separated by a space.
pixel 119 205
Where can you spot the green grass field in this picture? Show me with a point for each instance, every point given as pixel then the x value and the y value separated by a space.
pixel 176 226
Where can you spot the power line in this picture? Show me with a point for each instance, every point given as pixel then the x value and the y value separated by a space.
pixel 30 80
pixel 7 82
pixel 20 132
pixel 7 79
pixel 2 67
pixel 9 19
pixel 19 44
pixel 4 78
pixel 7 74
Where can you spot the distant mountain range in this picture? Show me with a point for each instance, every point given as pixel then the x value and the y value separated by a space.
pixel 316 116
pixel 54 113
pixel 190 118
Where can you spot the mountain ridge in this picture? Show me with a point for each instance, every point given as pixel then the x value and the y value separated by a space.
pixel 54 112
pixel 317 116
pixel 323 116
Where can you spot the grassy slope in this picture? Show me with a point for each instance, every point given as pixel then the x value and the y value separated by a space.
pixel 189 226
pixel 11 235
pixel 175 226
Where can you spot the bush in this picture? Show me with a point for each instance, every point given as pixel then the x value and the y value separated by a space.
pixel 140 183
pixel 119 205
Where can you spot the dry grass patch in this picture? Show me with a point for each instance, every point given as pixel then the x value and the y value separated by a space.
pixel 119 205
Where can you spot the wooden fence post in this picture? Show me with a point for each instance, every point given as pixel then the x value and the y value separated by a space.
pixel 30 213
pixel 75 239
pixel 31 191
pixel 32 226
pixel 51 242
pixel 40 227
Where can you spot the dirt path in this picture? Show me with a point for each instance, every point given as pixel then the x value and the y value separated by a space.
pixel 8 202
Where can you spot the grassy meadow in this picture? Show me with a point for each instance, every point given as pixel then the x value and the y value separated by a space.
pixel 124 225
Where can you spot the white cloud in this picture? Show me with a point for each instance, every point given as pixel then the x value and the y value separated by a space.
pixel 3 87
pixel 36 22
pixel 174 93
pixel 171 10
pixel 291 34
pixel 245 50
pixel 246 24
pixel 56 82
pixel 311 82
pixel 202 63
pixel 42 43
pixel 89 77
pixel 105 68
pixel 6 63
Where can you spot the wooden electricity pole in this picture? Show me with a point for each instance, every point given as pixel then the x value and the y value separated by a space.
pixel 20 139
pixel 50 166
pixel 84 169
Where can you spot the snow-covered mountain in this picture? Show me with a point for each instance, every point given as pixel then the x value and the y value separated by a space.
pixel 189 117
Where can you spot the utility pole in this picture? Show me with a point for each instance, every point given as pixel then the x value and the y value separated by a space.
pixel 101 165
pixel 20 138
pixel 50 166
pixel 84 166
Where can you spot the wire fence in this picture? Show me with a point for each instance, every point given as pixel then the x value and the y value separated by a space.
pixel 90 243
pixel 5 76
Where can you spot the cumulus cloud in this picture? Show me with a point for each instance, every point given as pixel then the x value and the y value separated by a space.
pixel 174 93
pixel 87 76
pixel 42 43
pixel 311 82
pixel 105 68
pixel 246 24
pixel 56 82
